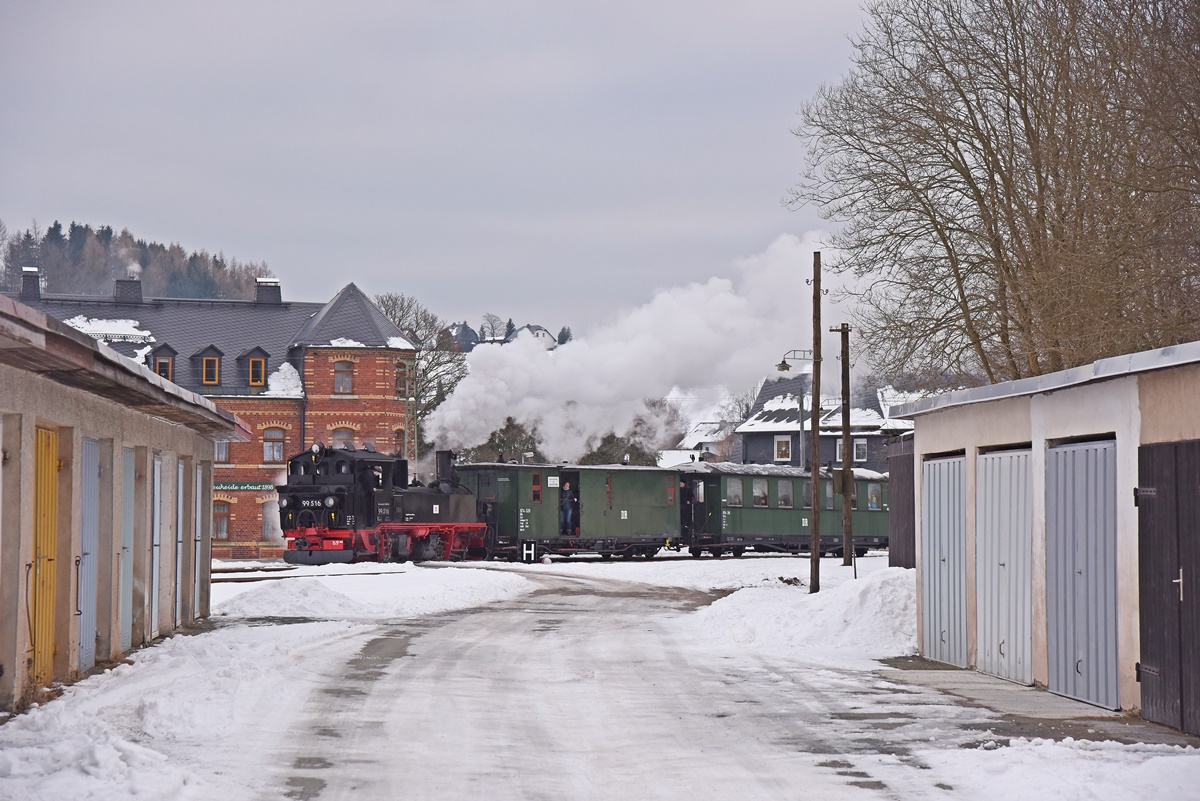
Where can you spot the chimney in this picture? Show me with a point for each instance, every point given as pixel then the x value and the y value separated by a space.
pixel 266 290
pixel 127 290
pixel 31 283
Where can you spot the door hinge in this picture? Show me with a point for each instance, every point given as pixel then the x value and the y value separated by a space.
pixel 1144 492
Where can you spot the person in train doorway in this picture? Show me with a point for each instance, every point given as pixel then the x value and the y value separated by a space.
pixel 566 510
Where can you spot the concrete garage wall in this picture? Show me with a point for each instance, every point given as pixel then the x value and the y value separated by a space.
pixel 1168 405
pixel 28 401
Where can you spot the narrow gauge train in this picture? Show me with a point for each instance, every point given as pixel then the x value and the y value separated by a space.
pixel 348 505
pixel 730 508
pixel 635 511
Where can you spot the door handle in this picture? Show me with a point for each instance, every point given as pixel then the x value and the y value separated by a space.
pixel 1179 581
pixel 1002 648
pixel 78 611
pixel 1078 662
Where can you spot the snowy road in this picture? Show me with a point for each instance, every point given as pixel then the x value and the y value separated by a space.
pixel 677 679
pixel 584 689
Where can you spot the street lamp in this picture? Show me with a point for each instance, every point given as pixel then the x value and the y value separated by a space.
pixel 796 355
pixel 814 459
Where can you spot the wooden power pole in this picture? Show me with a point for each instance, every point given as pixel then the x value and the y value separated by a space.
pixel 847 455
pixel 814 461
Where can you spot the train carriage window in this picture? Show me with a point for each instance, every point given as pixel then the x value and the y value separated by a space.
pixel 806 494
pixel 785 493
pixel 698 491
pixel 828 494
pixel 874 496
pixel 670 490
pixel 733 492
pixel 759 489
pixel 537 487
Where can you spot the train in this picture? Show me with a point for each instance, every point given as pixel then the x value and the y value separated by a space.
pixel 355 504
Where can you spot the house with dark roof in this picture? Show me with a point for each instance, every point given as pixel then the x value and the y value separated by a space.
pixel 778 428
pixel 296 372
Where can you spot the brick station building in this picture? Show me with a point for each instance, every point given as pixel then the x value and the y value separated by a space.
pixel 296 373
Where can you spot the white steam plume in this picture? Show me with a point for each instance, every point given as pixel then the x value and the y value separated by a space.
pixel 698 339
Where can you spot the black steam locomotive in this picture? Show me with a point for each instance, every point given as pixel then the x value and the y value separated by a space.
pixel 351 504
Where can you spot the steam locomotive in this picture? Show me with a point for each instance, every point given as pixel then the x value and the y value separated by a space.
pixel 354 504
pixel 351 504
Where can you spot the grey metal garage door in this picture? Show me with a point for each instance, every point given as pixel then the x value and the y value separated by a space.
pixel 943 560
pixel 1081 571
pixel 1003 565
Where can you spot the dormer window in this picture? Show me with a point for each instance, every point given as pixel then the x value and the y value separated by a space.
pixel 258 372
pixel 211 371
pixel 207 363
pixel 164 366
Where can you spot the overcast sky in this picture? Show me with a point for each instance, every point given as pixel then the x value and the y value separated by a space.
pixel 552 162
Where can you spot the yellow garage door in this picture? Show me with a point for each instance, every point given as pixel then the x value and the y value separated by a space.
pixel 45 500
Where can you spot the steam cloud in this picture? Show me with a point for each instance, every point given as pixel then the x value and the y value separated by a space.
pixel 694 340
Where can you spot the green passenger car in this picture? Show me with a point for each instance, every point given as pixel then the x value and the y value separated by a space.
pixel 613 509
pixel 732 508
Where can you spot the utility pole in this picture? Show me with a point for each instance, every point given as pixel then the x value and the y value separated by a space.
pixel 814 461
pixel 847 456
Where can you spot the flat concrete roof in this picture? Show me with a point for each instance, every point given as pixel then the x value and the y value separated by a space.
pixel 1102 370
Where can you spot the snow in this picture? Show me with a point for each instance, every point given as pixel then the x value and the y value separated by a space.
pixel 284 383
pixel 780 403
pixel 119 330
pixel 400 343
pixel 345 342
pixel 179 719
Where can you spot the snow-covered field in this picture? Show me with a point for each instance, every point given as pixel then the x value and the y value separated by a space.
pixel 187 717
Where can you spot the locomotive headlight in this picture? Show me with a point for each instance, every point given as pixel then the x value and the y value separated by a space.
pixel 283 502
pixel 330 501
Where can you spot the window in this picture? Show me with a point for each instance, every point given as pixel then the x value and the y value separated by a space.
pixel 537 487
pixel 759 487
pixel 212 370
pixel 783 448
pixel 874 496
pixel 220 521
pixel 403 388
pixel 273 445
pixel 785 493
pixel 733 492
pixel 400 443
pixel 828 494
pixel 806 494
pixel 221 452
pixel 271 530
pixel 860 450
pixel 343 378
pixel 670 490
pixel 343 436
pixel 258 372
pixel 838 455
pixel 163 366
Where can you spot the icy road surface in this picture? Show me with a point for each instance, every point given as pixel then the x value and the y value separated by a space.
pixel 676 679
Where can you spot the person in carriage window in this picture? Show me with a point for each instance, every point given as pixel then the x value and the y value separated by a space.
pixel 566 510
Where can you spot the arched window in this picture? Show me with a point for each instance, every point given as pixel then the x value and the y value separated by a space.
pixel 401 443
pixel 343 378
pixel 273 445
pixel 342 436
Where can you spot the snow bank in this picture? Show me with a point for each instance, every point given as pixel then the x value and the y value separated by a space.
pixel 868 618
pixel 284 383
pixel 344 592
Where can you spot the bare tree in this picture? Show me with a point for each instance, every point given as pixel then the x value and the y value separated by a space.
pixel 438 368
pixel 492 327
pixel 1004 208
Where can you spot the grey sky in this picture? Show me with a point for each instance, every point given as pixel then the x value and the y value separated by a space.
pixel 553 162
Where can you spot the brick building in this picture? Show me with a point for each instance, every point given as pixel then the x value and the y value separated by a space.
pixel 296 373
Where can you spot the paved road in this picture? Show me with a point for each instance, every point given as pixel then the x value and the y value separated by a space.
pixel 588 689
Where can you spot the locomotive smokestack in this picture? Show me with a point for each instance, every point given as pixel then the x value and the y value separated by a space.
pixel 445 469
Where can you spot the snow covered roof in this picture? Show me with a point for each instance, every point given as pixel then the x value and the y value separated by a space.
pixel 351 320
pixel 704 432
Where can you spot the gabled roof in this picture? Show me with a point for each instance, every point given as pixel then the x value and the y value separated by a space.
pixel 351 317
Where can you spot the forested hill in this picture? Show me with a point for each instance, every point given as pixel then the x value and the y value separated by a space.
pixel 81 260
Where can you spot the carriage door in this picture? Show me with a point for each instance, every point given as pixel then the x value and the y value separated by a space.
pixel 45 501
pixel 1003 564
pixel 155 542
pixel 125 576
pixel 943 560
pixel 85 564
pixel 1081 571
pixel 1168 568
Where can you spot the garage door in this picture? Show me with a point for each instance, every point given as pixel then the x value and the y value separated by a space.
pixel 943 561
